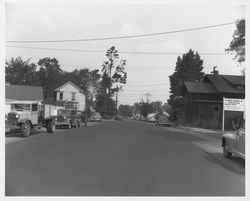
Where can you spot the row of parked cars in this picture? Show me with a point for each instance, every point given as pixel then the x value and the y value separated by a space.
pixel 158 119
pixel 74 118
pixel 26 115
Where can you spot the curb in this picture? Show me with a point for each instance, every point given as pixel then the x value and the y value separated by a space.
pixel 208 133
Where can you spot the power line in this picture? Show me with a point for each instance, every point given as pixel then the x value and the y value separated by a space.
pixel 156 84
pixel 118 37
pixel 147 81
pixel 152 93
pixel 123 52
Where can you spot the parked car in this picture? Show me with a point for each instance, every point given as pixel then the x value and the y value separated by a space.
pixel 163 120
pixel 96 117
pixel 234 142
pixel 64 119
pixel 119 118
pixel 79 117
pixel 151 118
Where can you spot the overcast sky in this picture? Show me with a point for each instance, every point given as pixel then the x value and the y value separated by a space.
pixel 146 73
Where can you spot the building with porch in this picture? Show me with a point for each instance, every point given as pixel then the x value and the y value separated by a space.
pixel 203 101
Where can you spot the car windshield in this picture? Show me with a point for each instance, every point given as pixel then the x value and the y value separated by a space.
pixel 63 112
pixel 21 107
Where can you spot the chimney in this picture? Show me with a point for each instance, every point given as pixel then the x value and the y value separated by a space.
pixel 215 72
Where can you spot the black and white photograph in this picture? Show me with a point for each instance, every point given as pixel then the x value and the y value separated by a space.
pixel 125 99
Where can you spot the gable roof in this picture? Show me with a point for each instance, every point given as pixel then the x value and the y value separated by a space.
pixel 234 79
pixel 23 92
pixel 58 89
pixel 197 87
pixel 224 83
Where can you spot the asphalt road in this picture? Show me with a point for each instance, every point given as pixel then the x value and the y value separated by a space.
pixel 121 158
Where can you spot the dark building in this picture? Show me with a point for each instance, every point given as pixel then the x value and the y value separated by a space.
pixel 203 101
pixel 23 92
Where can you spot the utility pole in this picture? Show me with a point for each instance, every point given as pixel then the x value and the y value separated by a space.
pixel 116 100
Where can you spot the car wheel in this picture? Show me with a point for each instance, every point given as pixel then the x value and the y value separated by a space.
pixel 26 129
pixel 226 153
pixel 51 127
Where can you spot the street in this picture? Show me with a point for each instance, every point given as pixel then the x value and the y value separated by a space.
pixel 121 158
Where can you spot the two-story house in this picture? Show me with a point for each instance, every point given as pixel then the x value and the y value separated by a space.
pixel 70 96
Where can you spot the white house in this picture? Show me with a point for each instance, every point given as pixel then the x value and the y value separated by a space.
pixel 71 93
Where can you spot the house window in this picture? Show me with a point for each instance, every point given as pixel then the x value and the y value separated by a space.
pixel 73 96
pixel 61 96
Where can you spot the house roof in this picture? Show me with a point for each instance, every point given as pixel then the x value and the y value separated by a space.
pixel 234 79
pixel 197 87
pixel 23 92
pixel 226 83
pixel 58 89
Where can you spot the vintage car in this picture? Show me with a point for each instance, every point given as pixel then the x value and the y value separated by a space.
pixel 234 142
pixel 151 118
pixel 63 119
pixel 96 117
pixel 25 115
pixel 79 118
pixel 70 118
pixel 163 120
pixel 118 118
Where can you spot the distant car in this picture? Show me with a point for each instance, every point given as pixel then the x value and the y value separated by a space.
pixel 234 143
pixel 118 117
pixel 141 118
pixel 136 117
pixel 163 120
pixel 96 117
pixel 151 118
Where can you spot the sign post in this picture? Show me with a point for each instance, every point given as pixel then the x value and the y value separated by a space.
pixel 223 113
pixel 230 104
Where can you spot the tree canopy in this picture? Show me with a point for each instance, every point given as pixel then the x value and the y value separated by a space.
pixel 125 110
pixel 18 71
pixel 237 44
pixel 113 70
pixel 188 68
pixel 50 76
pixel 113 73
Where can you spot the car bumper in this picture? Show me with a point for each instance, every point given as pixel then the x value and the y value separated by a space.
pixel 62 123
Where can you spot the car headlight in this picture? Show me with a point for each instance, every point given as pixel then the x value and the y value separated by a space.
pixel 17 116
pixel 64 117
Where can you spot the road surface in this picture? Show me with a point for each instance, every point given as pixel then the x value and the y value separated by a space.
pixel 121 158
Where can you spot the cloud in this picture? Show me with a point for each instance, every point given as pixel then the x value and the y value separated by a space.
pixel 129 29
pixel 166 46
pixel 46 20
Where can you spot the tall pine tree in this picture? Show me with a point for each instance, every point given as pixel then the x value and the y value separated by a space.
pixel 188 68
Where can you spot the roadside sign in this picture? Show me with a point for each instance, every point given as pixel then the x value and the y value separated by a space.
pixel 230 104
pixel 233 104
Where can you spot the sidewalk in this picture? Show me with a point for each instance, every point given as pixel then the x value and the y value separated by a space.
pixel 207 132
